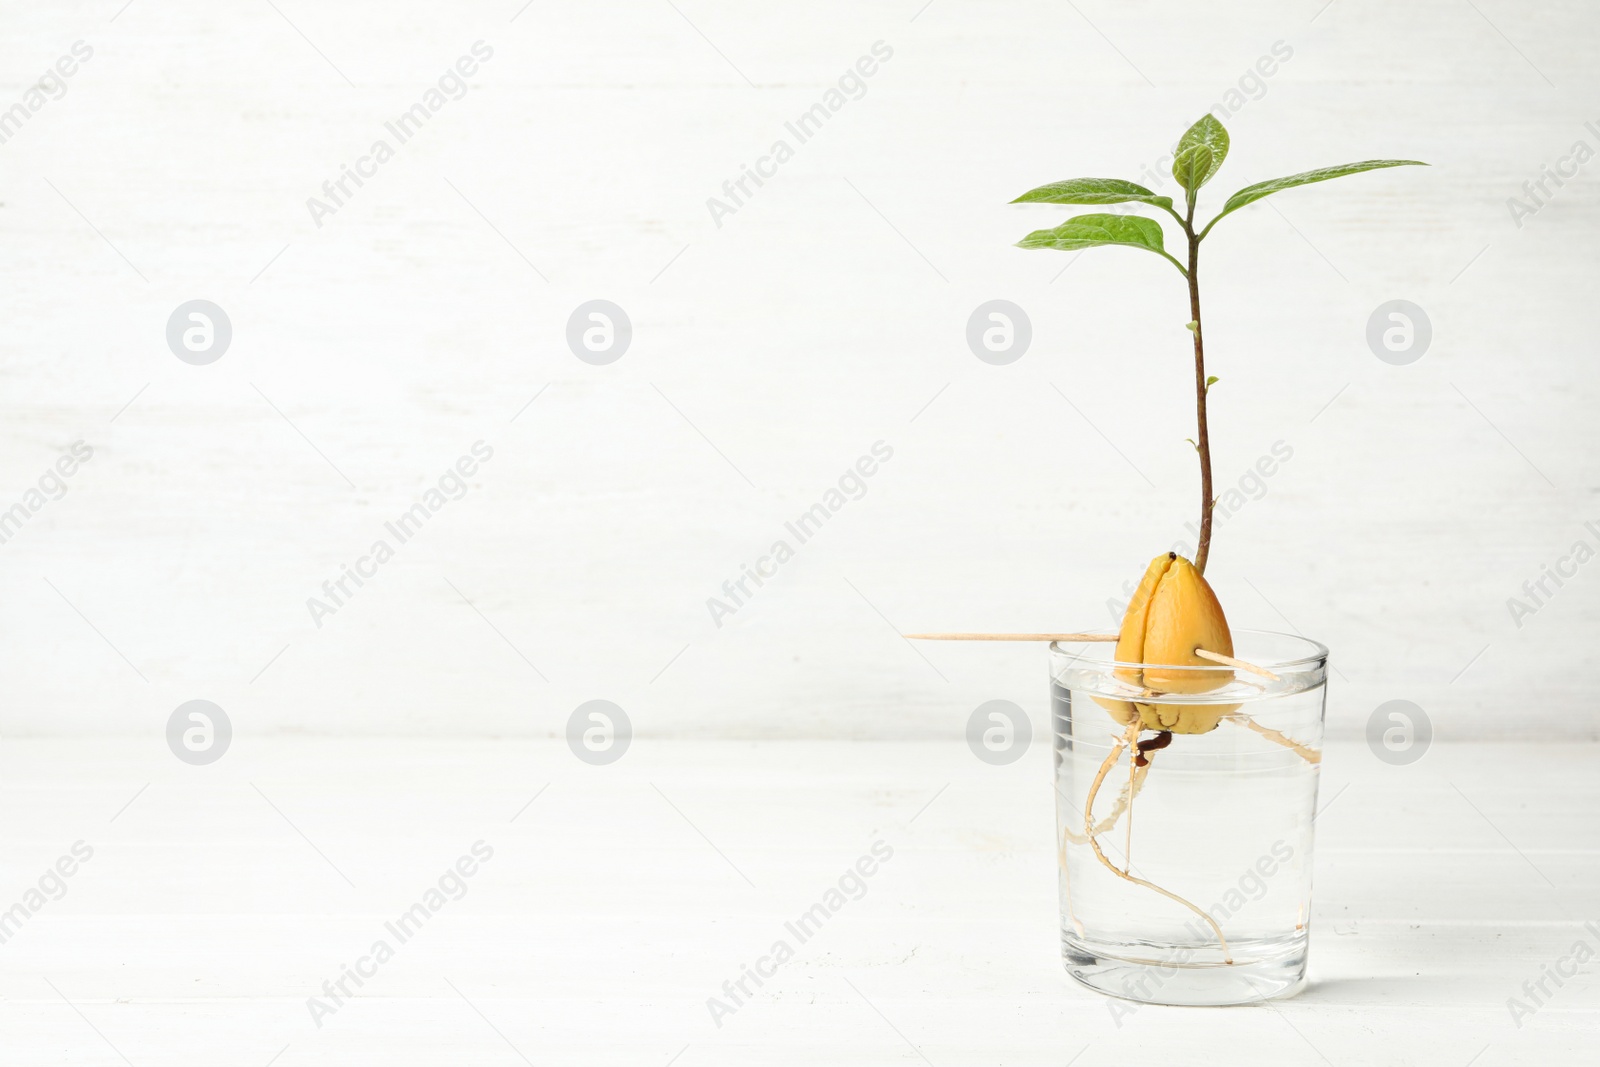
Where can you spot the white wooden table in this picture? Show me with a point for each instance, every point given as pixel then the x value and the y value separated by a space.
pixel 219 899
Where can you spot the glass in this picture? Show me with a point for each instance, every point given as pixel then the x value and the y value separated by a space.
pixel 1220 821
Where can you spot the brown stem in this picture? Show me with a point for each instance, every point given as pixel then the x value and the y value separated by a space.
pixel 1202 440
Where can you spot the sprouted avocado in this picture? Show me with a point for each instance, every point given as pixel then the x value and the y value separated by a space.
pixel 1174 619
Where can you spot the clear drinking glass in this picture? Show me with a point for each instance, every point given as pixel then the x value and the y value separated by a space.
pixel 1219 819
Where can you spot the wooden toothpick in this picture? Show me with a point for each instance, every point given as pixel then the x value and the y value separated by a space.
pixel 1217 657
pixel 1012 637
pixel 1214 657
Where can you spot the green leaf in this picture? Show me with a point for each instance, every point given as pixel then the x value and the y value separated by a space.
pixel 1251 193
pixel 1092 191
pixel 1192 166
pixel 1088 231
pixel 1212 380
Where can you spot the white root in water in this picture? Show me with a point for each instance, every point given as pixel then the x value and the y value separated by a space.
pixel 1306 752
pixel 1118 745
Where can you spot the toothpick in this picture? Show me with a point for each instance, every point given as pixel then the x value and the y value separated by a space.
pixel 1217 657
pixel 1011 637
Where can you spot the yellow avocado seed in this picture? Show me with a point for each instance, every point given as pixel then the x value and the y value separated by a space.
pixel 1173 613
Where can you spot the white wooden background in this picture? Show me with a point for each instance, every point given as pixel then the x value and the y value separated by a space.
pixel 827 314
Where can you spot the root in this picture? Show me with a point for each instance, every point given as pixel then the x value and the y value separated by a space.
pixel 1139 763
pixel 1129 738
pixel 1124 799
pixel 1127 840
pixel 1066 878
pixel 1307 753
